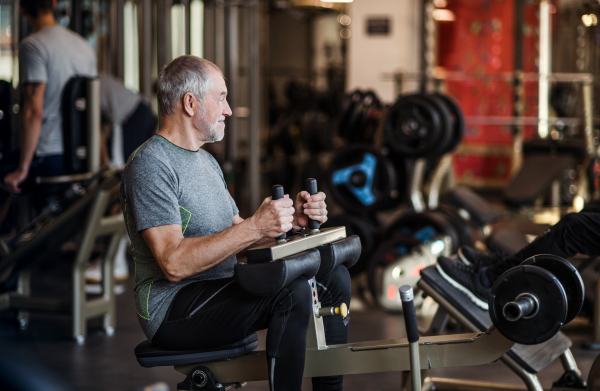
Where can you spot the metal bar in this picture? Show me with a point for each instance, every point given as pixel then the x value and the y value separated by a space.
pixel 108 225
pixel 4 301
pixel 24 289
pixel 568 362
pixel 93 97
pixel 119 43
pixel 220 34
pixel 441 172
pixel 254 74
pixel 588 115
pixel 99 306
pixel 527 77
pixel 381 356
pixel 597 314
pixel 145 46
pixel 531 381
pixel 164 54
pixel 232 73
pixel 23 302
pixel 441 384
pixel 521 121
pixel 416 184
pixel 545 59
pixel 315 337
pixel 415 368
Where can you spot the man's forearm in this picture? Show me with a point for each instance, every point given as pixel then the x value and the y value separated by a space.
pixel 191 256
pixel 29 136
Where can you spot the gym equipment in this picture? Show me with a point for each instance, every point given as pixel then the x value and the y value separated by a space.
pixel 569 278
pixel 84 203
pixel 446 125
pixel 229 367
pixel 458 121
pixel 364 119
pixel 413 126
pixel 524 360
pixel 365 229
pixel 412 332
pixel 349 103
pixel 361 179
pixel 398 262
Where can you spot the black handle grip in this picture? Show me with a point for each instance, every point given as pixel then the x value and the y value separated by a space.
pixel 410 316
pixel 311 187
pixel 277 193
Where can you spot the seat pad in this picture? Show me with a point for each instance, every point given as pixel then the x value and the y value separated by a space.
pixel 149 355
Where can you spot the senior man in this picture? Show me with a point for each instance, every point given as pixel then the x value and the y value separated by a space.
pixel 185 232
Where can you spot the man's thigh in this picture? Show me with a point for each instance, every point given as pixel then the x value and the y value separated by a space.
pixel 212 313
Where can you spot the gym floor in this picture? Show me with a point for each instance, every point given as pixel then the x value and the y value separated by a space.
pixel 108 363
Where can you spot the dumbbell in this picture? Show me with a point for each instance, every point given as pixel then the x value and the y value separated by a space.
pixel 531 302
pixel 311 187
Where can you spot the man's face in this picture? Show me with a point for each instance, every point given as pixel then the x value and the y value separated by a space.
pixel 210 120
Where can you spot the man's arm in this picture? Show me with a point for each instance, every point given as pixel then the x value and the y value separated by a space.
pixel 31 117
pixel 180 257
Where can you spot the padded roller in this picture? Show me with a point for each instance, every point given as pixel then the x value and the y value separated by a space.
pixel 268 278
pixel 343 252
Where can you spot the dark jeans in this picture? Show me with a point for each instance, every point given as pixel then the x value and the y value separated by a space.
pixel 576 233
pixel 139 127
pixel 213 313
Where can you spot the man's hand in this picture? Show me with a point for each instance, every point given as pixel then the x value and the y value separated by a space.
pixel 306 206
pixel 14 179
pixel 273 217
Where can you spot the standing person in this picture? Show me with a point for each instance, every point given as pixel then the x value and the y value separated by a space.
pixel 48 58
pixel 128 117
pixel 186 231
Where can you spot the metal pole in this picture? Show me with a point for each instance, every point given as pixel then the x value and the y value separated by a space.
pixel 145 46
pixel 232 79
pixel 588 113
pixel 93 98
pixel 416 184
pixel 544 70
pixel 164 53
pixel 220 34
pixel 254 75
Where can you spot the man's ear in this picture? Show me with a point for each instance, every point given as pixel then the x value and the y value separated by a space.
pixel 189 104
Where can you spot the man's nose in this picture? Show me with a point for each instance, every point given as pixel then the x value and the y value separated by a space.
pixel 227 111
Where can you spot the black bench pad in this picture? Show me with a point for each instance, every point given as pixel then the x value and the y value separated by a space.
pixel 574 147
pixel 151 356
pixel 343 252
pixel 535 177
pixel 268 278
pixel 480 211
pixel 532 358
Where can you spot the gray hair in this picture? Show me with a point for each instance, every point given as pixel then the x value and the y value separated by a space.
pixel 182 75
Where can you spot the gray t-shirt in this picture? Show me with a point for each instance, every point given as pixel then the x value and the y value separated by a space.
pixel 118 103
pixel 52 56
pixel 164 184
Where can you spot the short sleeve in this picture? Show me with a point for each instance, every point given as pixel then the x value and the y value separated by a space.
pixel 32 63
pixel 217 168
pixel 151 193
pixel 233 205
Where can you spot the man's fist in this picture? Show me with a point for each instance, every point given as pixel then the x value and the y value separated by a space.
pixel 309 206
pixel 274 217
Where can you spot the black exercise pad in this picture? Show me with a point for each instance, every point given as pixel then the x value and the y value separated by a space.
pixel 151 356
pixel 507 242
pixel 480 211
pixel 535 177
pixel 533 358
pixel 575 147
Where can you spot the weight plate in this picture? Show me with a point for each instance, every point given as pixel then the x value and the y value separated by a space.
pixel 350 101
pixel 462 227
pixel 360 179
pixel 458 120
pixel 383 280
pixel 447 125
pixel 424 227
pixel 361 129
pixel 568 276
pixel 552 308
pixel 413 126
pixel 366 231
